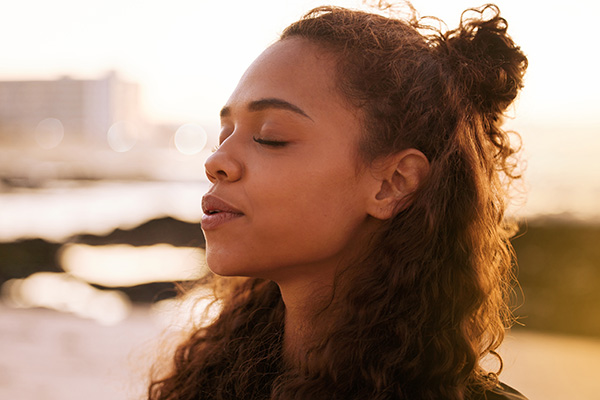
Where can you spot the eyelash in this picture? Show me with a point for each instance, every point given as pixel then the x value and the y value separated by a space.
pixel 271 143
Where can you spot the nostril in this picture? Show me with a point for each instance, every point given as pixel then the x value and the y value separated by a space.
pixel 223 166
pixel 214 176
pixel 210 176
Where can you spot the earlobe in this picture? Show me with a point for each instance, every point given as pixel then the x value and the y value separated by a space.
pixel 397 176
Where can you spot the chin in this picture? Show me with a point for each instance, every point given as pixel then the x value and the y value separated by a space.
pixel 229 269
pixel 225 273
pixel 225 266
pixel 222 270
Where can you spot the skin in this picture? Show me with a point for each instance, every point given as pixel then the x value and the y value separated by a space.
pixel 288 162
pixel 301 199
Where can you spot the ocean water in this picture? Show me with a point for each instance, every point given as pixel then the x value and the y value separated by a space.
pixel 559 162
pixel 560 166
pixel 65 208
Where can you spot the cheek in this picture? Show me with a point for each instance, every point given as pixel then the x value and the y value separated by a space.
pixel 317 211
pixel 298 216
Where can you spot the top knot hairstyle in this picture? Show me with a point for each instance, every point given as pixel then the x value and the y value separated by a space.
pixel 418 313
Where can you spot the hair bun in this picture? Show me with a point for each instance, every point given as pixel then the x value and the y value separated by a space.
pixel 484 59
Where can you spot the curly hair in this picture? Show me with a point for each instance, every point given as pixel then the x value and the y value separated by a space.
pixel 414 317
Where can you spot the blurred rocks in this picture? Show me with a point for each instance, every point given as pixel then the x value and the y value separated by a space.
pixel 22 258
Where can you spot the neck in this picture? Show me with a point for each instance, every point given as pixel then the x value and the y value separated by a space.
pixel 302 303
pixel 307 292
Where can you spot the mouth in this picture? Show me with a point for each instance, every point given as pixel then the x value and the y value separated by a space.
pixel 217 212
pixel 212 212
pixel 212 205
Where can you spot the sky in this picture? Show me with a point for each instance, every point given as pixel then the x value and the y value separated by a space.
pixel 187 56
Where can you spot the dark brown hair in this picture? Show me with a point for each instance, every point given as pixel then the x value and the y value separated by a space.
pixel 416 315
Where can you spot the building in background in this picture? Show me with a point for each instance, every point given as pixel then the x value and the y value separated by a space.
pixel 85 109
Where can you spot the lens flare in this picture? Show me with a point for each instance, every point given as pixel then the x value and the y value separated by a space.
pixel 190 139
pixel 49 133
pixel 122 136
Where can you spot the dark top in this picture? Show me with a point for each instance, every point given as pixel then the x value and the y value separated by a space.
pixel 502 392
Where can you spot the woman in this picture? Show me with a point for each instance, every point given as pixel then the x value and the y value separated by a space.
pixel 359 187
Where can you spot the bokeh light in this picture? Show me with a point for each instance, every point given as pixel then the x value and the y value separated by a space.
pixel 49 133
pixel 63 292
pixel 190 139
pixel 122 136
pixel 126 265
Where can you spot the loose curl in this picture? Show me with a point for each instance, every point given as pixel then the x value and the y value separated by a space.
pixel 414 317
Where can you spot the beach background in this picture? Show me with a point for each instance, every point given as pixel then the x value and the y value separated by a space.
pixel 98 219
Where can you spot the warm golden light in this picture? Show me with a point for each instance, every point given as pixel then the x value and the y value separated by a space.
pixel 125 265
pixel 196 308
pixel 66 293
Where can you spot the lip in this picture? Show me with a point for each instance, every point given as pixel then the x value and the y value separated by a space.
pixel 217 212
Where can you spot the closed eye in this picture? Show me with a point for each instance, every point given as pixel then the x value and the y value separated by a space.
pixel 267 142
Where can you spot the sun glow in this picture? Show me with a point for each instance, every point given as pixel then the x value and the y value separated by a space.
pixel 125 265
pixel 63 292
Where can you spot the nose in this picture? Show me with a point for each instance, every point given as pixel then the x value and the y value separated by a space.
pixel 223 166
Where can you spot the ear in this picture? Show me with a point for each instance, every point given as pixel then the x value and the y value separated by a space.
pixel 397 176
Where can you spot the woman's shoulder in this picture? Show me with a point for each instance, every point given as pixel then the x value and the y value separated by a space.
pixel 501 392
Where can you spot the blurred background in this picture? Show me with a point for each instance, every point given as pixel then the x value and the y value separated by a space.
pixel 108 110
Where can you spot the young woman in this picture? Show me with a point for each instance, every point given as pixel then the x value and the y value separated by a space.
pixel 358 196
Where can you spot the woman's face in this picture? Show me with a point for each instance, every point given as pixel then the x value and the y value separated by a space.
pixel 288 195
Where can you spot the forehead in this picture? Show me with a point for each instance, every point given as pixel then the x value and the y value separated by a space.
pixel 294 70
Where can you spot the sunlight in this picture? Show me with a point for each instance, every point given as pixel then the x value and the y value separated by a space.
pixel 195 308
pixel 63 292
pixel 125 265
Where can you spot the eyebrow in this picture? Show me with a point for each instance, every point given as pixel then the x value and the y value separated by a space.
pixel 264 104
